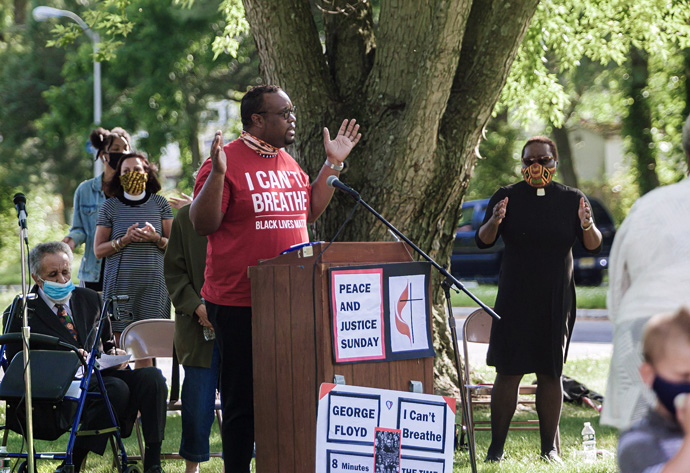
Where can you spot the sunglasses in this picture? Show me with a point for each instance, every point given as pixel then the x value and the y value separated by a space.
pixel 543 160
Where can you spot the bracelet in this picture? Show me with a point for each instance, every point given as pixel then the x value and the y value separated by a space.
pixel 335 167
pixel 584 229
pixel 165 244
pixel 116 245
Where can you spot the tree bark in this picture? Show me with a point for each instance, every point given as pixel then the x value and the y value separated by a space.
pixel 566 167
pixel 194 145
pixel 422 85
pixel 637 126
pixel 686 70
pixel 19 12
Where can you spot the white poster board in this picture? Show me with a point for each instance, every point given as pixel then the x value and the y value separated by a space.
pixel 358 315
pixel 407 313
pixel 378 430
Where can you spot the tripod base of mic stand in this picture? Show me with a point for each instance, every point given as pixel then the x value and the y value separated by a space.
pixel 464 400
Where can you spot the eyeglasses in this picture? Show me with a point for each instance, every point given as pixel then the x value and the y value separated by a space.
pixel 285 113
pixel 543 160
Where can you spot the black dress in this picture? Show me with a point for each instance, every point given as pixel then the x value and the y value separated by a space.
pixel 536 290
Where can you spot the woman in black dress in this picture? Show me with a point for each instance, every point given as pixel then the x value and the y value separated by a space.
pixel 539 221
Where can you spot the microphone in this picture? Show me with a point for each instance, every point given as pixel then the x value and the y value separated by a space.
pixel 20 205
pixel 333 181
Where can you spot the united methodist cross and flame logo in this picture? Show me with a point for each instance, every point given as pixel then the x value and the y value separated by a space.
pixel 404 301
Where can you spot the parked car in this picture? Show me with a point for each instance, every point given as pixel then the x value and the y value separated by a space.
pixel 470 262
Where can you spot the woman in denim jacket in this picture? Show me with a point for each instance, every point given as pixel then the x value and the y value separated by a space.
pixel 89 196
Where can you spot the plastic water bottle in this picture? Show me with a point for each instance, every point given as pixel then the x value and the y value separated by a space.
pixel 209 334
pixel 589 442
pixel 4 462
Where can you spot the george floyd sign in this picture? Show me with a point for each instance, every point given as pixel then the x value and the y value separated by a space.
pixel 371 430
pixel 380 312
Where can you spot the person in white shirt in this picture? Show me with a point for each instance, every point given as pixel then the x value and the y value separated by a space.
pixel 649 273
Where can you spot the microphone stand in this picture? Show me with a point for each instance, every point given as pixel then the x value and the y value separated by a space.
pixel 26 334
pixel 447 284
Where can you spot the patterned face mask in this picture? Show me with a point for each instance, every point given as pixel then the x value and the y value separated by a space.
pixel 133 182
pixel 537 175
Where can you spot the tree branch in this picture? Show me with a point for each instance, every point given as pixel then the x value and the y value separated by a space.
pixel 417 47
pixel 350 43
pixel 290 51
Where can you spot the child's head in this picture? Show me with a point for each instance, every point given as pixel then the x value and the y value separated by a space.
pixel 666 350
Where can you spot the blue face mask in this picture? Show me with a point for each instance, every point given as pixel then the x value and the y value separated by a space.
pixel 667 391
pixel 56 291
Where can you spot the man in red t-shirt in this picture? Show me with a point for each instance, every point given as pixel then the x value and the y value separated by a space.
pixel 254 201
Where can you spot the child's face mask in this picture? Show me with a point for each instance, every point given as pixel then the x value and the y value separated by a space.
pixel 666 392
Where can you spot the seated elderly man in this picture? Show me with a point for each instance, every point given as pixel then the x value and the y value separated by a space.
pixel 69 313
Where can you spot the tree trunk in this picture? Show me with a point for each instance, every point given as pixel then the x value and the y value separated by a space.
pixel 422 95
pixel 194 144
pixel 566 167
pixel 19 12
pixel 637 126
pixel 686 70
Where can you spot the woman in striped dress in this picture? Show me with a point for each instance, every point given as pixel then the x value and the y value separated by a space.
pixel 132 233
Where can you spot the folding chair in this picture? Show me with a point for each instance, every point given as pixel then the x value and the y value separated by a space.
pixel 477 329
pixel 154 338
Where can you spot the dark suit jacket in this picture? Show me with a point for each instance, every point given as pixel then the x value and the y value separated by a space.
pixel 85 307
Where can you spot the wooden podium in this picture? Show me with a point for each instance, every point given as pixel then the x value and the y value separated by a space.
pixel 293 354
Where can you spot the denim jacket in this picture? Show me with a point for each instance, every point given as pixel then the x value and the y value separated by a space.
pixel 87 202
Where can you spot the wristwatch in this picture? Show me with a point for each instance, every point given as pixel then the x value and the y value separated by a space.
pixel 335 167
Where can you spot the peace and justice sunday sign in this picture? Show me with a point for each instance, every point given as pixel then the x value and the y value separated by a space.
pixel 381 312
pixel 370 430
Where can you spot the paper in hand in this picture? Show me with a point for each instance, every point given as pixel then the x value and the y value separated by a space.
pixel 108 361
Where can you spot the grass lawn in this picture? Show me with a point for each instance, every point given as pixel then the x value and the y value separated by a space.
pixel 98 464
pixel 588 297
pixel 522 447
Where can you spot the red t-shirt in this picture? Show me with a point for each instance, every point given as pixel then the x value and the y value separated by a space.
pixel 265 205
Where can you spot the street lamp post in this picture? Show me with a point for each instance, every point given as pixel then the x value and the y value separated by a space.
pixel 44 14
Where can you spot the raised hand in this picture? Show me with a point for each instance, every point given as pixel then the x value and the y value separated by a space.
pixel 218 159
pixel 179 202
pixel 339 148
pixel 585 213
pixel 499 211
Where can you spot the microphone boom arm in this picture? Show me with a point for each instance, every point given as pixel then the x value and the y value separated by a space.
pixel 446 285
pixel 449 277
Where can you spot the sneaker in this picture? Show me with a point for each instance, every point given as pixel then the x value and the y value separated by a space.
pixel 552 457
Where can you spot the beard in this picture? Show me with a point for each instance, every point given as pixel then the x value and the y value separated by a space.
pixel 289 136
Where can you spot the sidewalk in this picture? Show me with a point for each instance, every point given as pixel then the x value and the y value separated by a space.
pixel 592 334
pixel 582 314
